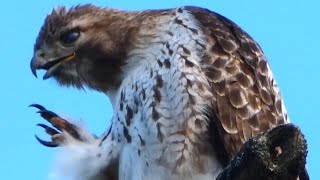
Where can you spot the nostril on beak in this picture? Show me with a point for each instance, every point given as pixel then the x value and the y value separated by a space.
pixel 41 55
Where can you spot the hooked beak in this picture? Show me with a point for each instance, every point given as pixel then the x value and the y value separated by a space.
pixel 51 66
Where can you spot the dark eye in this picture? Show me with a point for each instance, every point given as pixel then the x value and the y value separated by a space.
pixel 69 37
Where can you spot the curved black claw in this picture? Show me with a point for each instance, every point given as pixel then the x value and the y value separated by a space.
pixel 46 143
pixel 37 106
pixel 46 114
pixel 49 130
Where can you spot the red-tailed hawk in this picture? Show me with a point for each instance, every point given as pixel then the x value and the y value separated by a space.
pixel 187 85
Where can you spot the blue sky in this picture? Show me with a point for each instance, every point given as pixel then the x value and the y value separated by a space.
pixel 288 32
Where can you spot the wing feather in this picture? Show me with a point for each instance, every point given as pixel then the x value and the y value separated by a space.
pixel 247 100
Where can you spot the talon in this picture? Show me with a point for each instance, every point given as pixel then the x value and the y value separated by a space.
pixel 37 106
pixel 59 125
pixel 46 143
pixel 49 130
pixel 46 114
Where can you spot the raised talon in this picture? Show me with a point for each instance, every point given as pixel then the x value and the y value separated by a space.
pixel 46 143
pixel 49 130
pixel 37 106
pixel 46 114
pixel 58 123
pixel 61 124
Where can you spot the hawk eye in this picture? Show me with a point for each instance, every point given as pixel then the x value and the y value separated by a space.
pixel 69 37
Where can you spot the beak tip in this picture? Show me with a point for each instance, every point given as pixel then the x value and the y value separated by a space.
pixel 33 66
pixel 34 72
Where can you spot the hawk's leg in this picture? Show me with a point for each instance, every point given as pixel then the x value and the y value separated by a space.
pixel 60 129
pixel 88 157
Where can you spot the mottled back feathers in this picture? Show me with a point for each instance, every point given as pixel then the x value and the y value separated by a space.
pixel 247 100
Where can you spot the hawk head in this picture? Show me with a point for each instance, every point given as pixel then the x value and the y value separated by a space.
pixel 83 46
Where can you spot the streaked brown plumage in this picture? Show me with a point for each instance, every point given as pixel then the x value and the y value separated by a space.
pixel 188 87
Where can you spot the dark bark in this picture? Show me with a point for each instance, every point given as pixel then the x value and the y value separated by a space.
pixel 279 153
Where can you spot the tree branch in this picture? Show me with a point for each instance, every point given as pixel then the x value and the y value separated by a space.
pixel 280 153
